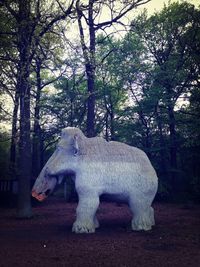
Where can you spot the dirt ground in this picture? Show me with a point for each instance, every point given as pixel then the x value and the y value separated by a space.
pixel 47 240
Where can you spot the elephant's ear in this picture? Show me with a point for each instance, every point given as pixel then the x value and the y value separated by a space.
pixel 75 145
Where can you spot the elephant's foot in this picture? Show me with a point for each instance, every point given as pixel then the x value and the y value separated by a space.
pixel 144 222
pixel 83 227
pixel 139 226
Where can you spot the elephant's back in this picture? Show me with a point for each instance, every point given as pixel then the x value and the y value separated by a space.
pixel 98 149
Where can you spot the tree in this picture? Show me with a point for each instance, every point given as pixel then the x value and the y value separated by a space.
pixel 8 77
pixel 29 27
pixel 111 96
pixel 189 129
pixel 169 37
pixel 67 107
pixel 46 70
pixel 89 16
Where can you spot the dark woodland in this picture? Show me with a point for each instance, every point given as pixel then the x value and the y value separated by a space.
pixel 139 85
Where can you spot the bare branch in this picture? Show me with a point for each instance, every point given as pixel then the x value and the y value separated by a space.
pixel 58 18
pixel 123 12
pixel 84 47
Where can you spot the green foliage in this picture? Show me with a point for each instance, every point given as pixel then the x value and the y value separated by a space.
pixel 171 37
pixel 64 106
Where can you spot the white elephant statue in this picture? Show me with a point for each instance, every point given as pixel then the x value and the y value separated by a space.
pixel 100 167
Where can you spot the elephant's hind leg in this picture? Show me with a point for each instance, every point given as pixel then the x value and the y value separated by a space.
pixel 143 214
pixel 85 214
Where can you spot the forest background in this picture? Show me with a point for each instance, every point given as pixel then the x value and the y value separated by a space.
pixel 109 68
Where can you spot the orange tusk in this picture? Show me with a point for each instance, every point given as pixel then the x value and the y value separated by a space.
pixel 39 197
pixel 34 194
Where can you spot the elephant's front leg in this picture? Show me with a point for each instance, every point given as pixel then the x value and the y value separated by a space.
pixel 85 214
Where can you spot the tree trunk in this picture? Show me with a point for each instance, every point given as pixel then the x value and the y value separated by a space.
pixel 13 146
pixel 173 151
pixel 36 143
pixel 90 70
pixel 107 127
pixel 146 138
pixel 23 86
pixel 89 57
pixel 148 142
pixel 173 144
pixel 90 104
pixel 112 127
pixel 162 150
